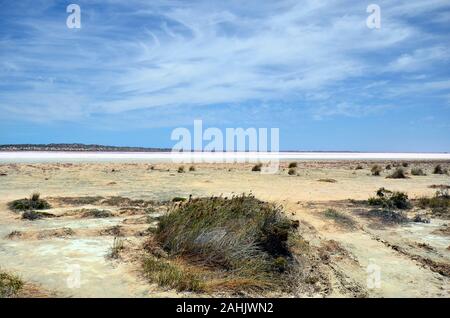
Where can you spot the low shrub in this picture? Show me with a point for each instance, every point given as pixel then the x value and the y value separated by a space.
pixel 95 213
pixel 80 200
pixel 398 173
pixel 439 203
pixel 257 167
pixel 439 170
pixel 417 172
pixel 388 167
pixel 376 170
pixel 292 165
pixel 390 200
pixel 291 171
pixel 242 235
pixel 389 216
pixel 192 168
pixel 359 167
pixel 180 169
pixel 33 203
pixel 31 215
pixel 405 164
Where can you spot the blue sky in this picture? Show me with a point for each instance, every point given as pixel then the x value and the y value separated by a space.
pixel 138 69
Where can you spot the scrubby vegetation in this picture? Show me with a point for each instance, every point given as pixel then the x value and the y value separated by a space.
pixel 33 203
pixel 327 180
pixel 96 213
pixel 257 167
pixel 10 285
pixel 417 172
pixel 292 165
pixel 439 186
pixel 172 275
pixel 291 171
pixel 340 218
pixel 389 216
pixel 116 248
pixel 389 206
pixel 390 200
pixel 32 215
pixel 359 167
pixel 192 168
pixel 405 164
pixel 242 242
pixel 439 170
pixel 398 173
pixel 376 170
pixel 439 203
pixel 80 200
pixel 388 167
pixel 180 169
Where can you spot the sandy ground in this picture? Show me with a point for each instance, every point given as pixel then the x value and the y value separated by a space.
pixel 51 252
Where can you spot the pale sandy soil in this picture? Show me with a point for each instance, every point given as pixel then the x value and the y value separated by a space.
pixel 45 251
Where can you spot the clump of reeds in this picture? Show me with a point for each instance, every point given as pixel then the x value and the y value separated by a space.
pixel 116 248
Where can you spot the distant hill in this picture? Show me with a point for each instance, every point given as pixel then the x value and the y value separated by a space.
pixel 77 147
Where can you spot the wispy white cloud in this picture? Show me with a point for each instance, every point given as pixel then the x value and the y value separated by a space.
pixel 141 55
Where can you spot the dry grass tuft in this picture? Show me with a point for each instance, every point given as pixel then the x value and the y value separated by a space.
pixel 10 285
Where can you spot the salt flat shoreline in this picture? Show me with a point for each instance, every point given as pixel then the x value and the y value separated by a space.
pixel 88 156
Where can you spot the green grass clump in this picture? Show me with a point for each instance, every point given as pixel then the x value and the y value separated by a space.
pixel 340 218
pixel 33 203
pixel 390 200
pixel 376 170
pixel 170 274
pixel 10 285
pixel 398 173
pixel 241 235
pixel 417 172
pixel 292 165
